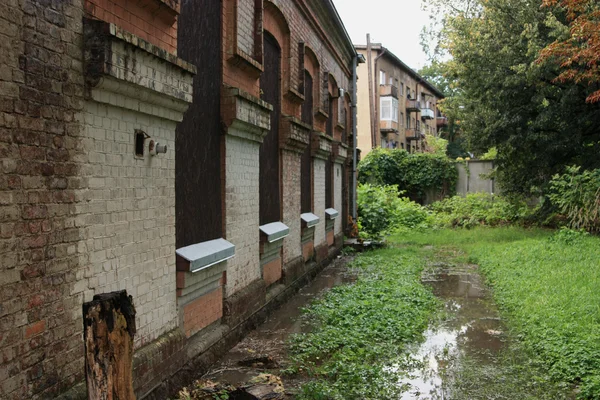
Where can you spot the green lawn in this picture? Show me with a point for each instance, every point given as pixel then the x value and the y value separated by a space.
pixel 546 285
pixel 548 288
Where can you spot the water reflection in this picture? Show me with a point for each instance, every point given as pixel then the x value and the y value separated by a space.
pixel 473 330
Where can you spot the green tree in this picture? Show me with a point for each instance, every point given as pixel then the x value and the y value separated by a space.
pixel 439 73
pixel 511 100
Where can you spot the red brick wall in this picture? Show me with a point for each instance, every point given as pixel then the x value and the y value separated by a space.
pixel 308 250
pixel 272 271
pixel 202 312
pixel 291 13
pixel 153 20
pixel 330 238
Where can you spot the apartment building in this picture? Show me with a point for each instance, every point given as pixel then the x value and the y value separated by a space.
pixel 191 153
pixel 399 109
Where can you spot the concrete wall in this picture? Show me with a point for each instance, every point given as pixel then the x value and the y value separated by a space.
pixel 473 182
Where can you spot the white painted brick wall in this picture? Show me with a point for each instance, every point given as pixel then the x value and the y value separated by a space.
pixel 319 199
pixel 292 247
pixel 129 215
pixel 245 33
pixel 337 196
pixel 242 211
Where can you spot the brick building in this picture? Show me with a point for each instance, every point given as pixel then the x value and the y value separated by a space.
pixel 402 107
pixel 194 154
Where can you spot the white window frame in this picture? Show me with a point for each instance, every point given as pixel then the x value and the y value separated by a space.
pixel 382 80
pixel 388 107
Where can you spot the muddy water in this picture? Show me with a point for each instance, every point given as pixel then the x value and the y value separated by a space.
pixel 264 349
pixel 471 329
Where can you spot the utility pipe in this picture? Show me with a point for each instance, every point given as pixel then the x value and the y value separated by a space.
pixel 354 156
pixel 376 122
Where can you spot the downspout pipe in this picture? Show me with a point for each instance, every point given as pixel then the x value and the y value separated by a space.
pixel 376 94
pixel 355 61
pixel 354 155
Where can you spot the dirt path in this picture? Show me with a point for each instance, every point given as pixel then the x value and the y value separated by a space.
pixel 264 349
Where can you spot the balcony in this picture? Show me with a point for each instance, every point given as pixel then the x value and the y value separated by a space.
pixel 413 105
pixel 388 90
pixel 414 134
pixel 442 121
pixel 388 126
pixel 427 113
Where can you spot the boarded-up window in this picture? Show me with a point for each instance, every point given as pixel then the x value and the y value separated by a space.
pixel 198 191
pixel 330 119
pixel 346 125
pixel 270 85
pixel 306 167
pixel 328 184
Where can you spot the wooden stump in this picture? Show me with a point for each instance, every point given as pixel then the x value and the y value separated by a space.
pixel 108 331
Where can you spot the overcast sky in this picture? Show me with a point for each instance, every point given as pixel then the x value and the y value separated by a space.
pixel 396 24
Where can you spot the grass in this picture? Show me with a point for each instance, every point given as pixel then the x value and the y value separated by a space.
pixel 547 286
pixel 361 330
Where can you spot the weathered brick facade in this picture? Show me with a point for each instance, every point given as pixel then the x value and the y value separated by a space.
pixel 89 202
pixel 41 92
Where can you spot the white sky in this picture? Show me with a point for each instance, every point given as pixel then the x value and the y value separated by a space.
pixel 396 24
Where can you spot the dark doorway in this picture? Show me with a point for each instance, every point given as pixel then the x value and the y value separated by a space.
pixel 270 86
pixel 328 184
pixel 330 119
pixel 346 125
pixel 306 167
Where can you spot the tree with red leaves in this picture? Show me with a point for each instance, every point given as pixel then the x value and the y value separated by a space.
pixel 579 54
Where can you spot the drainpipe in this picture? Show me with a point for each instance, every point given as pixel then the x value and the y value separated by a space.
pixel 354 81
pixel 377 104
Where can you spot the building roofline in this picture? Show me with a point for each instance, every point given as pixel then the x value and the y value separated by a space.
pixel 388 53
pixel 340 23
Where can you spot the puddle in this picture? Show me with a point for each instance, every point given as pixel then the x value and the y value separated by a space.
pixel 472 330
pixel 270 338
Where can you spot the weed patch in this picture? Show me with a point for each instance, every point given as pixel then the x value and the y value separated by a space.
pixel 546 285
pixel 360 331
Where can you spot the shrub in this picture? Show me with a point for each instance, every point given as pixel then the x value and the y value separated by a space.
pixel 381 210
pixel 414 174
pixel 436 145
pixel 577 195
pixel 491 154
pixel 477 209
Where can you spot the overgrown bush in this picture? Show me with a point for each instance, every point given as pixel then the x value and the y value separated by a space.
pixel 414 173
pixel 576 194
pixel 476 209
pixel 381 210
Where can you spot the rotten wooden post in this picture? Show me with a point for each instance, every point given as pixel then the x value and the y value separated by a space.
pixel 108 331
